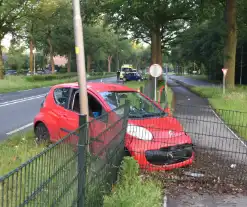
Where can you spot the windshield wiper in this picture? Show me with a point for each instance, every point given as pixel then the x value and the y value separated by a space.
pixel 161 114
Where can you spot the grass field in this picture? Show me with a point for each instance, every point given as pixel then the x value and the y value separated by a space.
pixel 17 83
pixel 231 107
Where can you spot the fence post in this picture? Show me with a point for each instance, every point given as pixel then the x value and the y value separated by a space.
pixel 141 89
pixel 82 160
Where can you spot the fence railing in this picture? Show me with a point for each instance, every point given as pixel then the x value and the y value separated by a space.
pixel 76 171
pixel 197 143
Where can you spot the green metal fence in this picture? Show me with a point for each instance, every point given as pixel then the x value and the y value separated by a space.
pixel 78 170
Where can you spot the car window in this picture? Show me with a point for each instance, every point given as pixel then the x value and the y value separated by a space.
pixel 61 96
pixel 94 106
pixel 140 107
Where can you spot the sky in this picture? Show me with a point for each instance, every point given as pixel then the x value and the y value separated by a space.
pixel 6 41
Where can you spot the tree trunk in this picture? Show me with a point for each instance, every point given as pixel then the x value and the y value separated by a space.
pixel 230 43
pixel 89 62
pixel 153 47
pixel 158 47
pixel 69 63
pixel 31 54
pixel 1 64
pixel 109 59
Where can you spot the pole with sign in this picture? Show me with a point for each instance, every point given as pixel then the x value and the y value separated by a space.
pixel 155 71
pixel 224 70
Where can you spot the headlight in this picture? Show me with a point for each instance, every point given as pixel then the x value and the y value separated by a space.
pixel 139 132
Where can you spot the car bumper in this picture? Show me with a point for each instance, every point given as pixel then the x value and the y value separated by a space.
pixel 167 158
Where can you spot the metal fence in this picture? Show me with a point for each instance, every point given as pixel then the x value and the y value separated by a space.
pixel 208 150
pixel 197 146
pixel 78 170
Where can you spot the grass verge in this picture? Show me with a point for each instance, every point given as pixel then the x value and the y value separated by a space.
pixel 132 191
pixel 16 150
pixel 231 107
pixel 17 83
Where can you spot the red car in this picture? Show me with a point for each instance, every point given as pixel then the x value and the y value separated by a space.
pixel 154 138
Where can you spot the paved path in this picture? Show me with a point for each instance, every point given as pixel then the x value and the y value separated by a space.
pixel 209 134
pixel 191 81
pixel 17 109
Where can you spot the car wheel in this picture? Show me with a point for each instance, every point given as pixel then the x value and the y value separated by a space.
pixel 42 133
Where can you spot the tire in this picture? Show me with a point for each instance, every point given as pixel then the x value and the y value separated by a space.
pixel 41 132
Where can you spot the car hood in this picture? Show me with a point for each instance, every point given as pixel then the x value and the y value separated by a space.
pixel 165 129
pixel 158 124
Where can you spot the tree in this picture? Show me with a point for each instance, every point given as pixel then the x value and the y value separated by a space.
pixel 12 11
pixel 16 58
pixel 231 42
pixel 149 20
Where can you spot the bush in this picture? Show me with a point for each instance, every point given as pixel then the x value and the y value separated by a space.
pixel 131 191
pixel 50 77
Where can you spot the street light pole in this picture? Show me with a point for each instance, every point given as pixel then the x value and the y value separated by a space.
pixel 80 57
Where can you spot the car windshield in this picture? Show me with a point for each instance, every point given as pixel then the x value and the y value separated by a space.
pixel 126 69
pixel 140 107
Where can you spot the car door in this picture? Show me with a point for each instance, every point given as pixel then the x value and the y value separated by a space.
pixel 59 110
pixel 69 120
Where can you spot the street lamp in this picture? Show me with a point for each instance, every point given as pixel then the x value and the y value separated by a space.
pixel 80 58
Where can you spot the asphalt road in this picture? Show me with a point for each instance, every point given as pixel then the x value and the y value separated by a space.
pixel 17 109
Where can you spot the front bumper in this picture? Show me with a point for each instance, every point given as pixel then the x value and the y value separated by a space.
pixel 169 155
pixel 165 158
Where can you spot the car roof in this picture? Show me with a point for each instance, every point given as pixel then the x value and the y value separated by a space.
pixel 98 87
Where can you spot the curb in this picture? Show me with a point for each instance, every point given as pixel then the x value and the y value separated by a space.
pixel 164 201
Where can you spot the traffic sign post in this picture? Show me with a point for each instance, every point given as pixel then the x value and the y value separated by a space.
pixel 224 70
pixel 155 71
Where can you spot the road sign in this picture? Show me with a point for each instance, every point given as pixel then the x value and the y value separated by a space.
pixel 155 70
pixel 224 70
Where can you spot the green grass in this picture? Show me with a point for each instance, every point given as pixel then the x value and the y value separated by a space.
pixel 53 171
pixel 16 150
pixel 132 191
pixel 135 84
pixel 229 106
pixel 17 83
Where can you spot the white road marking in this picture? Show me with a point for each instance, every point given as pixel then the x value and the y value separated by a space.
pixel 19 129
pixel 165 201
pixel 21 100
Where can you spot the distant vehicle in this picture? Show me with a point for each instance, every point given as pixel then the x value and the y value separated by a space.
pixel 154 137
pixel 133 75
pixel 125 69
pixel 10 72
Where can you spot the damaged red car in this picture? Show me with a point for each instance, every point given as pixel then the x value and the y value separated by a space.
pixel 153 137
